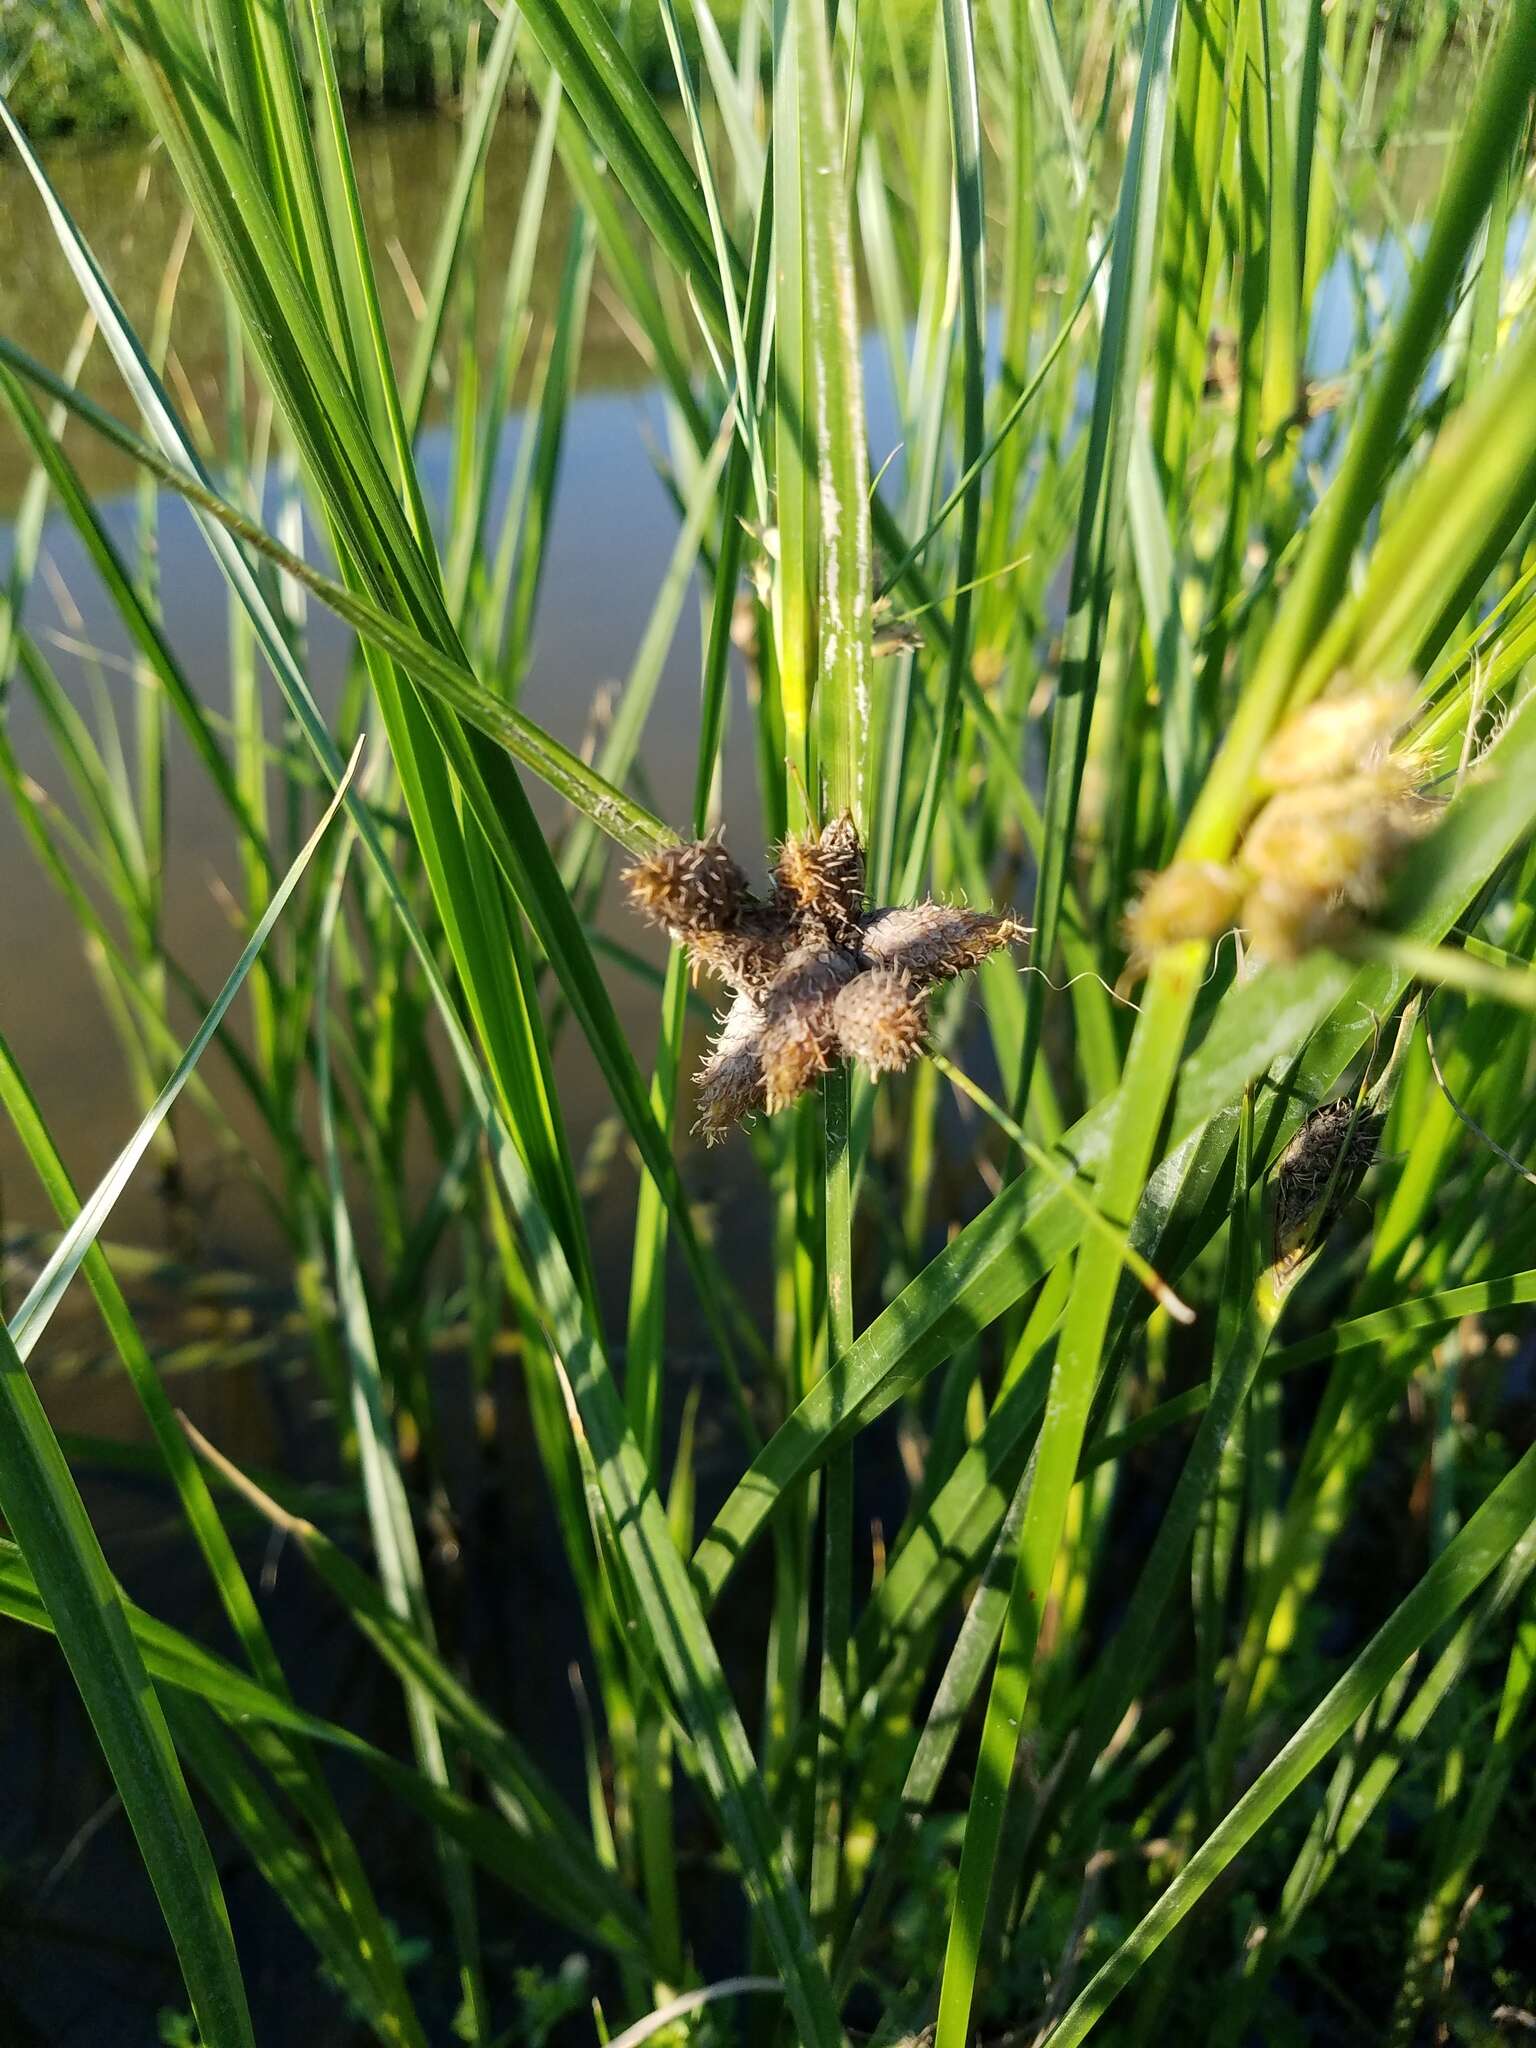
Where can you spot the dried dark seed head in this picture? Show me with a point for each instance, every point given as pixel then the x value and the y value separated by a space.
pixel 1318 1172
pixel 931 942
pixel 881 1020
pixel 821 878
pixel 689 889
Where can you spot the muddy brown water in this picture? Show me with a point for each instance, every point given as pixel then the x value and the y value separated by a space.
pixel 612 535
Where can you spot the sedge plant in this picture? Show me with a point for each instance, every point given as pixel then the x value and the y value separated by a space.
pixel 1132 1047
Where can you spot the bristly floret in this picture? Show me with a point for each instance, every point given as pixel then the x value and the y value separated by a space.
pixel 931 942
pixel 816 979
pixel 821 877
pixel 730 1082
pixel 1193 899
pixel 690 889
pixel 882 1020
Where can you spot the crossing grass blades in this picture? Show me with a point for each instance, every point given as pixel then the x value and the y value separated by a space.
pixel 972 1651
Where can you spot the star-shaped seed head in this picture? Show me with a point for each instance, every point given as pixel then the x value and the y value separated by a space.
pixel 816 977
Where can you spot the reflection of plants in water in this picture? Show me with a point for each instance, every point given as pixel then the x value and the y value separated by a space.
pixel 1229 685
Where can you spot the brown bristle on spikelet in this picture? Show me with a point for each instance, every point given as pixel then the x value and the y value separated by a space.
pixel 1318 1172
pixel 822 877
pixel 931 942
pixel 751 953
pixel 881 1021
pixel 689 889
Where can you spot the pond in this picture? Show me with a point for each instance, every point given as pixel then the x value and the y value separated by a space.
pixel 613 532
pixel 82 1954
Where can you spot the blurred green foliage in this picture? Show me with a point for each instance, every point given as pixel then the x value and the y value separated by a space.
pixel 60 73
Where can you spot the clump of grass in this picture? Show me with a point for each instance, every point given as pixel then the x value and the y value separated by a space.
pixel 1000 1746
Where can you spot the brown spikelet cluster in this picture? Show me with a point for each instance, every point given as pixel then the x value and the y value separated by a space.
pixel 1341 806
pixel 815 976
pixel 1317 1173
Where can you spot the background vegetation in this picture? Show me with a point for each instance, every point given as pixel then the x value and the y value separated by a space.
pixel 1062 1567
pixel 61 73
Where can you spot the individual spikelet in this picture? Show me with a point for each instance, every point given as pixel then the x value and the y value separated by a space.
pixel 730 1082
pixel 1317 1173
pixel 933 942
pixel 799 1031
pixel 690 889
pixel 881 1020
pixel 820 877
pixel 1193 899
pixel 795 1048
pixel 1334 736
pixel 1334 839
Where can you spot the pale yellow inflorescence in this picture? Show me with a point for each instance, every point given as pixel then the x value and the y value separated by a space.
pixel 1340 807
